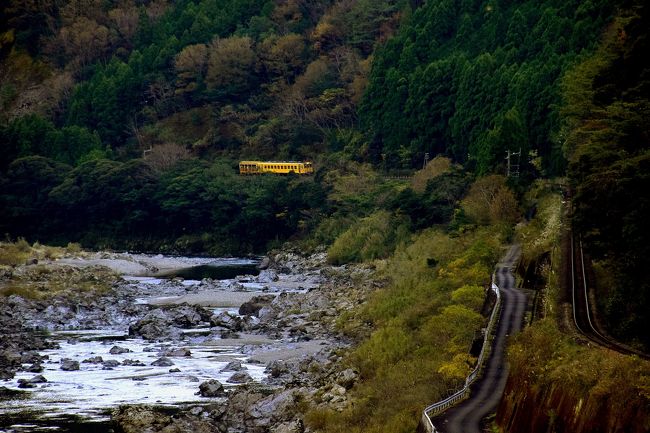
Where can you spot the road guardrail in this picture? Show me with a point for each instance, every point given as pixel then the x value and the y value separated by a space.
pixel 437 408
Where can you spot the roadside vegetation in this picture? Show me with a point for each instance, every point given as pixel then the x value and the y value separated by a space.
pixel 416 335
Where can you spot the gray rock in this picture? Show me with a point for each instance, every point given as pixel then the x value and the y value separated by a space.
pixel 69 365
pixel 233 366
pixel 30 357
pixel 139 419
pixel 31 383
pixel 116 350
pixel 93 360
pixel 267 276
pixel 177 352
pixel 347 378
pixel 186 316
pixel 240 377
pixel 35 368
pixel 235 287
pixel 24 383
pixel 264 264
pixel 266 314
pixel 211 388
pixel 227 320
pixel 276 406
pixel 277 368
pixel 133 363
pixel 253 306
pixel 162 362
pixel 295 426
pixel 154 325
pixel 110 364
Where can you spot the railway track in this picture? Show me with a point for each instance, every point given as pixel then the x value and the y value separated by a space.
pixel 582 312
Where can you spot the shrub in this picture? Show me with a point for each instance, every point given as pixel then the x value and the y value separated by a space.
pixel 370 238
pixel 14 254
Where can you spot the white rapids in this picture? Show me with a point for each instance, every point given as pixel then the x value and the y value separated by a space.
pixel 92 389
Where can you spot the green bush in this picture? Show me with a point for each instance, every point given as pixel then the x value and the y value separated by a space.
pixel 370 238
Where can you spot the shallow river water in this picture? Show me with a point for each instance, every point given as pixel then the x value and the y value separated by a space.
pixel 81 400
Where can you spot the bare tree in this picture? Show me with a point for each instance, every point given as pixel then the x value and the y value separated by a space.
pixel 164 156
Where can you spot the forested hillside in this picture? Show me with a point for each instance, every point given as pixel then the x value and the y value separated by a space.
pixel 102 100
pixel 607 128
pixel 475 79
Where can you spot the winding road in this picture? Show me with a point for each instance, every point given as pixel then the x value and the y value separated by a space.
pixel 486 392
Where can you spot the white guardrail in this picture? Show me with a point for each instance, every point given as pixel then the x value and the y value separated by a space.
pixel 437 408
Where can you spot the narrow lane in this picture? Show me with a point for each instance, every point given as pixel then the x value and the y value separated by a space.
pixel 487 391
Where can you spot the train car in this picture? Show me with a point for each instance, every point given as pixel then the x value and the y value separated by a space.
pixel 277 167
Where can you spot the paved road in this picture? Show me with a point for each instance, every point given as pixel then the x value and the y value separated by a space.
pixel 487 391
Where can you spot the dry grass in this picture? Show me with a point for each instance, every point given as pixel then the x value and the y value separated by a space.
pixel 436 167
pixel 28 271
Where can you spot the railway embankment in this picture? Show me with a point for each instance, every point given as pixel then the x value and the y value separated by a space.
pixel 560 386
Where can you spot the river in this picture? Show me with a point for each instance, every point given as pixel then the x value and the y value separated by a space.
pixel 116 368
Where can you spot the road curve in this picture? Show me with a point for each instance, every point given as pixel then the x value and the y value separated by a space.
pixel 486 392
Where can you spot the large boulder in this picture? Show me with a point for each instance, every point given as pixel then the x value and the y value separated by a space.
pixel 187 316
pixel 240 377
pixel 155 325
pixel 233 366
pixel 162 362
pixel 267 276
pixel 253 306
pixel 109 364
pixel 227 320
pixel 31 383
pixel 116 350
pixel 273 409
pixel 264 263
pixel 211 388
pixel 68 364
pixel 179 352
pixel 295 426
pixel 139 419
pixel 347 378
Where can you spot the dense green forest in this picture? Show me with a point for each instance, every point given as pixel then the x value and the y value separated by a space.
pixel 122 122
pixel 115 96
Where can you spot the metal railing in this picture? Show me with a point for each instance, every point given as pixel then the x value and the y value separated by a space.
pixel 437 408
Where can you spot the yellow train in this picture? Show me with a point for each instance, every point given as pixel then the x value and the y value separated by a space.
pixel 277 167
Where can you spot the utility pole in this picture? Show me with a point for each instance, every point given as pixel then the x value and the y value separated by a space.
pixel 426 160
pixel 512 169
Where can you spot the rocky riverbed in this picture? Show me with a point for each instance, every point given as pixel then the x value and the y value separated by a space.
pixel 243 354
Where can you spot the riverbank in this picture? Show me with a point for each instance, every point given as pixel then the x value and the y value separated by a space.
pixel 271 340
